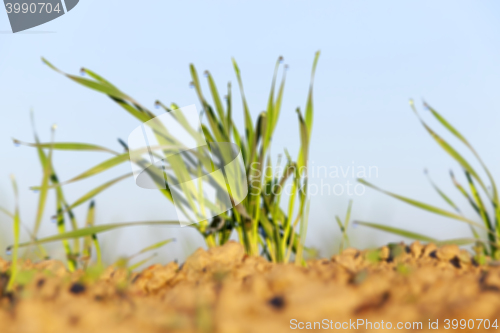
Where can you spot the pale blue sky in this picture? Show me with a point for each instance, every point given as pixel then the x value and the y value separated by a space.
pixel 375 56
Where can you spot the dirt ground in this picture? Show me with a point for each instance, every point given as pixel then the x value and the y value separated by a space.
pixel 223 290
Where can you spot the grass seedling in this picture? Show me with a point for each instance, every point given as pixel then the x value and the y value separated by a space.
pixel 260 222
pixel 479 196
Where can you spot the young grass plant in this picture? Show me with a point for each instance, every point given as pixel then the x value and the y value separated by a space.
pixel 343 227
pixel 260 222
pixel 479 196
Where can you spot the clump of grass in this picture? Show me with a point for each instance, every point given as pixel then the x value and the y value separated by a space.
pixel 482 198
pixel 261 224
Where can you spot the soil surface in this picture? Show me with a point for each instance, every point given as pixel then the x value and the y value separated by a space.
pixel 223 290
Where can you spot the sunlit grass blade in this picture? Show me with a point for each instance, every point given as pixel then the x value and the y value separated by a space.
pixel 95 240
pixel 299 258
pixel 397 231
pixel 142 262
pixel 88 231
pixel 492 236
pixel 304 143
pixel 96 77
pixel 424 206
pixel 101 167
pixel 272 119
pixel 87 240
pixel 345 225
pixel 452 152
pixel 214 123
pixel 72 146
pixel 441 193
pixel 279 100
pixel 61 228
pixel 457 241
pixel 216 99
pixel 348 214
pixel 309 105
pixel 6 212
pixel 91 194
pixel 17 231
pixel 464 192
pixel 249 131
pixel 153 247
pixel 46 173
pixel 99 86
pixel 457 134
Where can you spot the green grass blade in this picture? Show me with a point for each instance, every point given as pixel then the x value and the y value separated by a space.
pixel 73 146
pixel 452 152
pixel 397 231
pixel 424 206
pixel 309 105
pixel 216 98
pixel 87 240
pixel 17 231
pixel 457 134
pixel 304 143
pixel 91 194
pixel 6 212
pixel 441 193
pixel 88 231
pixel 153 247
pixel 339 222
pixel 457 241
pixel 142 262
pixel 101 167
pixel 279 100
pixel 270 107
pixel 299 258
pixel 464 192
pixel 97 77
pixel 249 131
pixel 348 214
pixel 99 86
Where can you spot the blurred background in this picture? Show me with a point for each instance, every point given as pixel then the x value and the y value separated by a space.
pixel 375 55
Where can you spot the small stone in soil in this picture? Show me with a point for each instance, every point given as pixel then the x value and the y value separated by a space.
pixel 77 288
pixel 277 302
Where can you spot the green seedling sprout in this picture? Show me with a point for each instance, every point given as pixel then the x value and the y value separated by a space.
pixel 259 221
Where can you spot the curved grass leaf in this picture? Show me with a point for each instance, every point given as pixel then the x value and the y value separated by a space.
pixel 457 241
pixel 452 151
pixel 89 231
pixel 76 146
pixel 309 105
pixel 441 193
pixel 142 262
pixel 424 206
pixel 457 134
pixel 17 230
pixel 397 231
pixel 89 195
pixel 153 247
